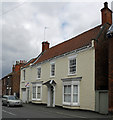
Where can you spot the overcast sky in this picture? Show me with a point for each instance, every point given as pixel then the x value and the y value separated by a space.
pixel 23 26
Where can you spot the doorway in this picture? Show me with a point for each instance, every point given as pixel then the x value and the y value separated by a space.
pixel 51 96
pixel 24 95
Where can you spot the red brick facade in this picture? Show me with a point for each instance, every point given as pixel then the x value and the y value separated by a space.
pixel 11 82
pixel 110 77
pixel 7 85
pixel 101 60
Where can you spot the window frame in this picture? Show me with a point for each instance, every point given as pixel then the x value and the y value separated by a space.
pixel 69 59
pixel 37 85
pixel 72 83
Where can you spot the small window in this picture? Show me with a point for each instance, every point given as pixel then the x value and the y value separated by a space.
pixel 39 72
pixel 72 66
pixel 24 74
pixel 53 69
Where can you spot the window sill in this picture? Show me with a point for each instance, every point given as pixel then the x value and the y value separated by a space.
pixel 73 105
pixel 39 100
pixel 72 74
pixel 38 78
pixel 52 76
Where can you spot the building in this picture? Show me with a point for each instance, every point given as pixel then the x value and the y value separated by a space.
pixel 11 82
pixel 7 84
pixel 110 67
pixel 72 74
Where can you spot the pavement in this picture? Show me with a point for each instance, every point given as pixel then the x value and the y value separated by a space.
pixel 30 111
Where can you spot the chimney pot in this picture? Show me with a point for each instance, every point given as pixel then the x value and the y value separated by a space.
pixel 106 4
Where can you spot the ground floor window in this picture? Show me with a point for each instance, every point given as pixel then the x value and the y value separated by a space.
pixel 71 93
pixel 36 91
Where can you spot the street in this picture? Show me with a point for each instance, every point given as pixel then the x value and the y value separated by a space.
pixel 42 111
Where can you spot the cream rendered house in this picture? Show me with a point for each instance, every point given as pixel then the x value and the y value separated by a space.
pixel 65 74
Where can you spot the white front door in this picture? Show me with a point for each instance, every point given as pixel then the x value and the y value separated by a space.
pixel 24 95
pixel 51 96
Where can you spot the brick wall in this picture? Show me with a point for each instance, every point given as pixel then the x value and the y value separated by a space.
pixel 110 77
pixel 101 61
pixel 16 77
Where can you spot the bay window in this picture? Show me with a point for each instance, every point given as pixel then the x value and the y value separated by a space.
pixel 71 93
pixel 36 91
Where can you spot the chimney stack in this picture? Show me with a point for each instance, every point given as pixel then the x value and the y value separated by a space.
pixel 45 46
pixel 106 14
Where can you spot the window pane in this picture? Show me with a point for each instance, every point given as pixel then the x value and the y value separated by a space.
pixel 75 98
pixel 52 69
pixel 73 66
pixel 39 72
pixel 65 98
pixel 34 91
pixel 69 98
pixel 38 89
pixel 65 89
pixel 69 89
pixel 75 89
pixel 38 95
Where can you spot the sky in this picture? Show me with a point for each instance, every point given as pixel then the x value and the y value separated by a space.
pixel 23 22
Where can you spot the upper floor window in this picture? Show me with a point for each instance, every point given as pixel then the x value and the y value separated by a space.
pixel 52 74
pixel 24 74
pixel 39 72
pixel 72 65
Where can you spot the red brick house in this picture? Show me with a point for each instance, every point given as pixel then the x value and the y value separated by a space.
pixel 11 82
pixel 7 84
pixel 110 68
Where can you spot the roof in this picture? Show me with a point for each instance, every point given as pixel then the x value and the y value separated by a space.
pixel 69 45
pixel 10 74
pixel 29 62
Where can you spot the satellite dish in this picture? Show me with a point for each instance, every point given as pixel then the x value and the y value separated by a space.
pixel 110 32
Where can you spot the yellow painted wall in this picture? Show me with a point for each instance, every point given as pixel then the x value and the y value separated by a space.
pixel 85 69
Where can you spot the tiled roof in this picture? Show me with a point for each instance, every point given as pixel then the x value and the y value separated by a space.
pixel 70 45
pixel 29 62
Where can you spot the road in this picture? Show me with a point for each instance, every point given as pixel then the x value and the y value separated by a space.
pixel 41 111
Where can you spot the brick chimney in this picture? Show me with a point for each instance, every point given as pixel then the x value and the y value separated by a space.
pixel 45 46
pixel 106 14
